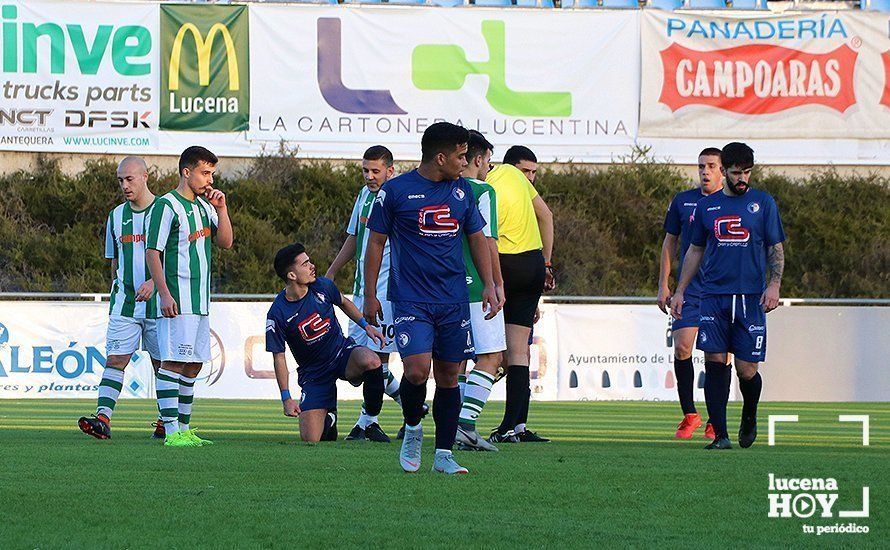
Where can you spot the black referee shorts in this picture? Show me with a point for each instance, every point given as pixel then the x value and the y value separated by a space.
pixel 523 285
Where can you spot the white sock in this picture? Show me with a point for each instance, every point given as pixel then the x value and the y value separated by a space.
pixel 519 428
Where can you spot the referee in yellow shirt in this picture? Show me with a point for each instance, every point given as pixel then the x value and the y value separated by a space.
pixel 525 244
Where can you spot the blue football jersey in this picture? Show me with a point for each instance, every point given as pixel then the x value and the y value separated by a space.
pixel 736 233
pixel 310 328
pixel 425 222
pixel 678 221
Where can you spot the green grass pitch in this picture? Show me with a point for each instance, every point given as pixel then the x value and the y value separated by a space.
pixel 614 476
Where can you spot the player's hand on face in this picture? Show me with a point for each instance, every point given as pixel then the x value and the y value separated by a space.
pixel 168 306
pixel 372 310
pixel 770 299
pixel 677 305
pixel 664 299
pixel 291 408
pixel 376 335
pixel 216 197
pixel 145 291
pixel 490 302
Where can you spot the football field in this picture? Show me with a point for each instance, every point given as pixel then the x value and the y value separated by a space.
pixel 614 476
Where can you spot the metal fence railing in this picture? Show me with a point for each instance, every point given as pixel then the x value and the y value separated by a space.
pixel 95 297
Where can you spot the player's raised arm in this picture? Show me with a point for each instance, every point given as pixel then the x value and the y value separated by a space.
pixel 347 252
pixel 225 236
pixel 668 251
pixel 691 265
pixel 373 258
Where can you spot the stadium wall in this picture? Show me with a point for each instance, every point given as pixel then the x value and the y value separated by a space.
pixel 580 352
pixel 803 88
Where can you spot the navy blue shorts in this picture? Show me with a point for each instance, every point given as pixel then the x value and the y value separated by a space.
pixel 443 329
pixel 690 314
pixel 733 323
pixel 321 393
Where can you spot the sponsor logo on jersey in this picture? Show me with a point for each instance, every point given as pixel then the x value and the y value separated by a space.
pixel 314 327
pixel 713 208
pixel 270 325
pixel 199 234
pixel 132 238
pixel 436 221
pixel 404 319
pixel 412 197
pixel 728 229
pixel 465 323
pixel 756 328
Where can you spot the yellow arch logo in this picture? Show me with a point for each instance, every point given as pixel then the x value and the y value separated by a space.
pixel 203 48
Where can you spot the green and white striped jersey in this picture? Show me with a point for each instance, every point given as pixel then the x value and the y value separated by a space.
pixel 358 226
pixel 181 230
pixel 125 242
pixel 487 202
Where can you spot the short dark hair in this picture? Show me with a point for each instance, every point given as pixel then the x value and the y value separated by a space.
pixel 519 153
pixel 441 137
pixel 379 152
pixel 285 257
pixel 193 155
pixel 477 145
pixel 710 152
pixel 737 154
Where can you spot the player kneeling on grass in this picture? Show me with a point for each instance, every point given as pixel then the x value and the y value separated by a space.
pixel 303 316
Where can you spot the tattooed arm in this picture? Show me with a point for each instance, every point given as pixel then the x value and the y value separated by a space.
pixel 775 259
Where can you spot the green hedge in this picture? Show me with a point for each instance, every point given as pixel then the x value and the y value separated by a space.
pixel 608 226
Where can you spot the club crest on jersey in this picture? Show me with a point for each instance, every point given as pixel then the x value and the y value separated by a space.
pixel 404 339
pixel 319 297
pixel 753 207
pixel 459 193
pixel 728 229
pixel 314 327
pixel 436 221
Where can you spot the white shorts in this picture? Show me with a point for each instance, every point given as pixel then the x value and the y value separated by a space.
pixel 488 336
pixel 125 333
pixel 184 338
pixel 386 327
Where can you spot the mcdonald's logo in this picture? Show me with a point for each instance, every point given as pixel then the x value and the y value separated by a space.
pixel 204 57
pixel 205 49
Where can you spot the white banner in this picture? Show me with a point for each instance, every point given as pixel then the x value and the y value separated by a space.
pixel 580 352
pixel 57 350
pixel 335 80
pixel 618 352
pixel 806 76
pixel 79 77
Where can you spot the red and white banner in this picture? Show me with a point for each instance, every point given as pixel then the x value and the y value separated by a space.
pixel 815 75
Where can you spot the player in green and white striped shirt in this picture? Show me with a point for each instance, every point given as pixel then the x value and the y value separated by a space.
pixel 178 254
pixel 377 169
pixel 133 300
pixel 489 336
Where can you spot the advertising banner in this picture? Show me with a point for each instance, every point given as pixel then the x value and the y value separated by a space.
pixel 79 77
pixel 205 77
pixel 57 350
pixel 808 76
pixel 579 352
pixel 609 352
pixel 330 79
